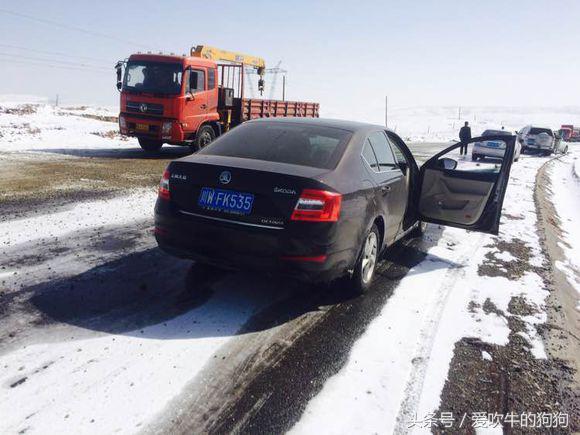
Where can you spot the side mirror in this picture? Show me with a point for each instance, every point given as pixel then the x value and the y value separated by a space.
pixel 447 163
pixel 119 85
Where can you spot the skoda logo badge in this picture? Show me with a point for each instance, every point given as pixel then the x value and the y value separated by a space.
pixel 143 107
pixel 225 177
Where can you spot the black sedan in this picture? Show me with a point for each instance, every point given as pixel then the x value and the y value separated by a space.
pixel 317 199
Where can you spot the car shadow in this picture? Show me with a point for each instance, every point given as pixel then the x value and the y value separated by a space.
pixel 166 152
pixel 152 295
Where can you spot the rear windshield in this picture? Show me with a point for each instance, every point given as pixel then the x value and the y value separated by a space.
pixel 540 130
pixel 297 144
pixel 496 133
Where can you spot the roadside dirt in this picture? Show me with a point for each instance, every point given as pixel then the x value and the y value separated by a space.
pixel 500 380
pixel 34 181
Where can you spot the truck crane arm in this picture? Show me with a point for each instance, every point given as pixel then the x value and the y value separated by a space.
pixel 213 53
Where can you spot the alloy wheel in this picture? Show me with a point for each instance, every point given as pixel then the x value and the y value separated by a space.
pixel 369 259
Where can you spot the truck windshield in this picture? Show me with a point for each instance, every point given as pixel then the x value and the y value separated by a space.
pixel 154 77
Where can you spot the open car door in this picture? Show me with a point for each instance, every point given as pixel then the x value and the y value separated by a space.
pixel 464 191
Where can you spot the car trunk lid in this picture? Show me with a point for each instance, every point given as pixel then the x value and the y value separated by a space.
pixel 274 188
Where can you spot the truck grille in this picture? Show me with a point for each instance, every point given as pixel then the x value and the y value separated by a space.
pixel 153 109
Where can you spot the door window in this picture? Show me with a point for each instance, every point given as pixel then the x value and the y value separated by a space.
pixel 196 81
pixel 369 156
pixel 399 156
pixel 382 150
pixel 211 78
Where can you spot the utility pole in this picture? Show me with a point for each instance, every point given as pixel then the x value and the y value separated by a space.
pixel 284 87
pixel 459 116
pixel 386 111
pixel 56 101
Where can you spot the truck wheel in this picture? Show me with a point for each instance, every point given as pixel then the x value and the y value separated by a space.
pixel 204 137
pixel 150 145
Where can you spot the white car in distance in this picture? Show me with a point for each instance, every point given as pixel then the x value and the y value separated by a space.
pixel 493 148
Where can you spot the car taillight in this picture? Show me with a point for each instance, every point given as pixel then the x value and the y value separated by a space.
pixel 164 186
pixel 317 206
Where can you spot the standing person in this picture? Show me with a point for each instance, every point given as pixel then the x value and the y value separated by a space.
pixel 464 136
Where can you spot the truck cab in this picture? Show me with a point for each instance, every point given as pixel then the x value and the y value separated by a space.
pixel 168 99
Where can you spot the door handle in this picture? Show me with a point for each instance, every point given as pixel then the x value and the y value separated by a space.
pixel 203 106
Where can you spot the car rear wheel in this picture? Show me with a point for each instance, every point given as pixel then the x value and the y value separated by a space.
pixel 150 144
pixel 365 268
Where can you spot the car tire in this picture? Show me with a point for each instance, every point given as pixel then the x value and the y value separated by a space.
pixel 204 137
pixel 150 145
pixel 364 270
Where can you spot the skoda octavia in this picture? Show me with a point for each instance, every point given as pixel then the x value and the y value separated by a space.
pixel 317 199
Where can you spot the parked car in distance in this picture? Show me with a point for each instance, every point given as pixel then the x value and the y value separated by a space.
pixel 493 148
pixel 317 199
pixel 536 138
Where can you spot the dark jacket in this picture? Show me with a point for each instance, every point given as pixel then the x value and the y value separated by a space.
pixel 465 133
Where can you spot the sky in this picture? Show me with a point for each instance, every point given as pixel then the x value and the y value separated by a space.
pixel 346 55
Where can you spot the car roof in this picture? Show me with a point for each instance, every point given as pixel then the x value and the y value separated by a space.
pixel 325 122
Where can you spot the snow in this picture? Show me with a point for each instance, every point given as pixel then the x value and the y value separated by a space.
pixel 120 210
pixel 118 383
pixel 442 123
pixel 565 187
pixel 504 256
pixel 486 355
pixel 51 128
pixel 397 369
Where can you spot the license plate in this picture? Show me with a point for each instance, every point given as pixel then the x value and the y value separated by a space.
pixel 493 144
pixel 141 127
pixel 228 201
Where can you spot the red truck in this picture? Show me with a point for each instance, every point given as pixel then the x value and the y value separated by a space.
pixel 570 133
pixel 190 100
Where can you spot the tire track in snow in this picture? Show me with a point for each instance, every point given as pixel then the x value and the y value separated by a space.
pixel 414 385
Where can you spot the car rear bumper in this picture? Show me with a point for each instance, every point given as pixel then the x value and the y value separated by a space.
pixel 488 151
pixel 539 147
pixel 305 257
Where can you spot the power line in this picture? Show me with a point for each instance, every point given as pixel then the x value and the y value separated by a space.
pixel 73 28
pixel 48 65
pixel 56 53
pixel 64 62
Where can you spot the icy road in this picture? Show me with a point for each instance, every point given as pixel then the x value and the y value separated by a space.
pixel 100 332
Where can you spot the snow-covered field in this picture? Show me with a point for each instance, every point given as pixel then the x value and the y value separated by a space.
pixel 38 126
pixel 442 123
